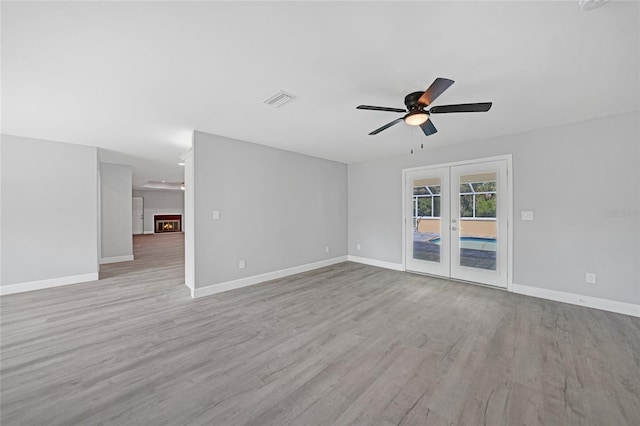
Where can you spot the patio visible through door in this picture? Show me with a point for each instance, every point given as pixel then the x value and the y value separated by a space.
pixel 456 222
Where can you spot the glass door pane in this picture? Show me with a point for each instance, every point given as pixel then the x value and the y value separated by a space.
pixel 427 201
pixel 426 219
pixel 478 231
pixel 478 223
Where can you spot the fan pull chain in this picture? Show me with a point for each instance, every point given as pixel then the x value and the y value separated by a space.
pixel 410 142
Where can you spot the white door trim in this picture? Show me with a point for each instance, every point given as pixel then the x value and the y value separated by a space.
pixel 509 159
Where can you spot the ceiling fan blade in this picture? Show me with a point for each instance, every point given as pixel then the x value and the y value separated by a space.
pixel 428 128
pixel 377 108
pixel 386 126
pixel 437 87
pixel 477 107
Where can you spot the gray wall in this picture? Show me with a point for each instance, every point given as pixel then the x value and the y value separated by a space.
pixel 49 210
pixel 160 202
pixel 277 209
pixel 115 211
pixel 568 175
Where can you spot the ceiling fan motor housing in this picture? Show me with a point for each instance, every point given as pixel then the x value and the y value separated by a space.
pixel 411 100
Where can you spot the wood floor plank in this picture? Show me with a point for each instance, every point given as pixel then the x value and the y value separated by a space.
pixel 345 344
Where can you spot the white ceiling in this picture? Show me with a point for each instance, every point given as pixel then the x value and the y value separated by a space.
pixel 138 77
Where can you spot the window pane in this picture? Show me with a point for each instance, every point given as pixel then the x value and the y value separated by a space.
pixel 484 186
pixel 424 206
pixel 464 188
pixel 420 190
pixel 486 205
pixel 436 206
pixel 435 189
pixel 466 205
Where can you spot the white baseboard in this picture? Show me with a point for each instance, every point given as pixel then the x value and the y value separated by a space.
pixel 116 259
pixel 542 293
pixel 374 262
pixel 578 299
pixel 148 232
pixel 257 279
pixel 53 282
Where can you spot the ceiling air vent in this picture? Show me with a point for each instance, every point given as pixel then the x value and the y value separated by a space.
pixel 591 4
pixel 279 98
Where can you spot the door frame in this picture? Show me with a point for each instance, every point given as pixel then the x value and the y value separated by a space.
pixel 509 160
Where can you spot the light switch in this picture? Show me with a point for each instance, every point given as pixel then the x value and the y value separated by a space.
pixel 527 215
pixel 216 215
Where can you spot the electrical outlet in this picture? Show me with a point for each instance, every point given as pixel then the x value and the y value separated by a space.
pixel 326 249
pixel 216 215
pixel 358 246
pixel 590 278
pixel 241 264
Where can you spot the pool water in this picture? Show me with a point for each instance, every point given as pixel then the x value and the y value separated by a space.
pixel 474 243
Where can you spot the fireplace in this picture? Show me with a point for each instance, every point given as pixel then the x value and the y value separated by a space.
pixel 167 223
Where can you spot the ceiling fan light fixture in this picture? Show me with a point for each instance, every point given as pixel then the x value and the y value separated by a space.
pixel 416 118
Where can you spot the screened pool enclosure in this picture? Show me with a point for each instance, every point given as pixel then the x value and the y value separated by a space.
pixel 478 231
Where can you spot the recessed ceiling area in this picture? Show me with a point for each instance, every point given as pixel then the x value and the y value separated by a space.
pixel 164 186
pixel 136 78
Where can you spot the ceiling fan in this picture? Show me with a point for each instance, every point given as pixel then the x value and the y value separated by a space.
pixel 417 102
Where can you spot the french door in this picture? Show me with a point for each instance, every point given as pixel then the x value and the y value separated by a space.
pixel 456 222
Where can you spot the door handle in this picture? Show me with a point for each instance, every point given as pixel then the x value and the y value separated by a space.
pixel 453 228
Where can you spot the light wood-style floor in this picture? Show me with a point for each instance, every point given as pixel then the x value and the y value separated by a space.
pixel 346 344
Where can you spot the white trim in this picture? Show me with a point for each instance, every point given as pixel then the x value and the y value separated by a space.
pixel 578 299
pixel 461 163
pixel 257 279
pixel 53 282
pixel 116 259
pixel 148 232
pixel 378 263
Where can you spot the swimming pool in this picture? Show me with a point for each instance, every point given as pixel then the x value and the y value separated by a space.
pixel 474 243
